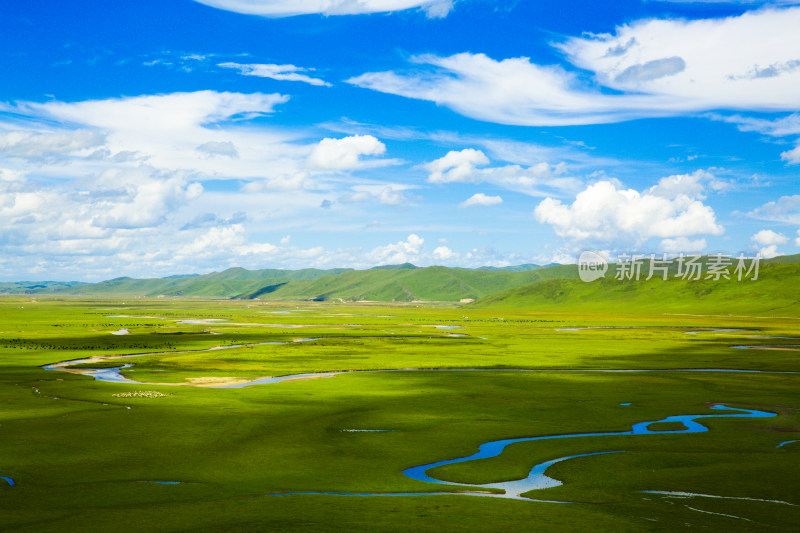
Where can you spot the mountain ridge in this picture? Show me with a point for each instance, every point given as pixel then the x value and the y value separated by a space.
pixel 389 283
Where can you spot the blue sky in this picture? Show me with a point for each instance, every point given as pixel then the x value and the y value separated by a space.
pixel 152 138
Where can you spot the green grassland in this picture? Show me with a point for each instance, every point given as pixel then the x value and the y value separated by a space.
pixel 774 292
pixel 81 456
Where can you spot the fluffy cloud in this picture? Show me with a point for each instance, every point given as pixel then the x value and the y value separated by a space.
pixel 786 209
pixel 168 131
pixel 147 204
pixel 16 204
pixel 768 252
pixel 100 188
pixel 120 199
pixel 765 237
pixel 443 253
pixel 682 184
pixel 276 72
pixel 405 251
pixel 661 68
pixel 768 242
pixel 345 153
pixel 481 199
pixel 289 8
pixel 691 185
pixel 462 167
pixel 456 166
pixel 791 156
pixel 797 240
pixel 215 241
pixel 602 213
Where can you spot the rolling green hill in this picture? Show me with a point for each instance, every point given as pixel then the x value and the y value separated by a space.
pixel 774 292
pixel 225 284
pixel 399 283
pixel 36 287
pixel 521 286
pixel 410 284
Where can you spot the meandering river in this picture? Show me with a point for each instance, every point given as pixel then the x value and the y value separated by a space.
pixel 537 478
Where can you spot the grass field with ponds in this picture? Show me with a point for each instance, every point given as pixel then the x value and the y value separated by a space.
pixel 86 455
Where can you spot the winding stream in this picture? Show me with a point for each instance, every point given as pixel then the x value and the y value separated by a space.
pixel 113 374
pixel 767 347
pixel 694 332
pixel 537 478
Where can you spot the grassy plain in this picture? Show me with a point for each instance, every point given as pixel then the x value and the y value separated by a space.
pixel 82 459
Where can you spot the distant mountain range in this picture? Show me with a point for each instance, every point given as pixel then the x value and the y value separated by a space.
pixel 530 286
pixel 401 283
pixel 36 287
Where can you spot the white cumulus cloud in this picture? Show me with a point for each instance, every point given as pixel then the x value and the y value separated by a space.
pixel 603 213
pixel 693 185
pixel 766 237
pixel 345 153
pixel 791 156
pixel 456 166
pixel 785 209
pixel 481 199
pixel 682 184
pixel 146 203
pixel 443 253
pixel 215 241
pixel 406 251
pixel 462 167
pixel 768 252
